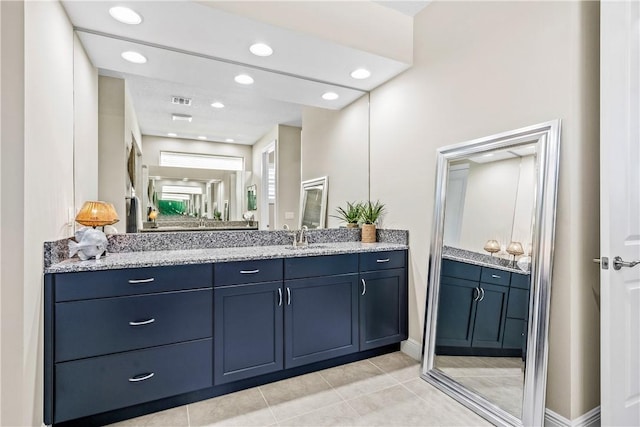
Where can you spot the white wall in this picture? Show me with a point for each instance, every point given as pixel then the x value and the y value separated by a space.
pixel 486 67
pixel 496 201
pixel 37 186
pixel 288 170
pixel 336 144
pixel 12 387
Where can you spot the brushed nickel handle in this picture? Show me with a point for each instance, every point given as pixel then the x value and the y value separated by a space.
pixel 279 297
pixel 138 281
pixel 141 377
pixel 482 297
pixel 476 294
pixel 383 260
pixel 143 322
pixel 618 263
pixel 495 276
pixel 249 271
pixel 364 287
pixel 288 296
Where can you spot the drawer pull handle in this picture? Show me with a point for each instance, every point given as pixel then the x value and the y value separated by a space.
pixel 138 281
pixel 141 377
pixel 495 276
pixel 249 271
pixel 279 297
pixel 142 323
pixel 288 296
pixel 383 260
pixel 364 287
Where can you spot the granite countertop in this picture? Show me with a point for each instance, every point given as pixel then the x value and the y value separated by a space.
pixel 470 257
pixel 200 256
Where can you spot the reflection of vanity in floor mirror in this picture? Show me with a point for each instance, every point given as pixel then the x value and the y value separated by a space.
pixel 490 273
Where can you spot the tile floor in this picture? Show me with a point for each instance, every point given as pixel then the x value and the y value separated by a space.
pixel 499 379
pixel 381 391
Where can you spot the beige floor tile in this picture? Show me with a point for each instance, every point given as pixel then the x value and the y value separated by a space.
pixel 340 414
pixel 394 406
pixel 175 417
pixel 357 378
pixel 243 408
pixel 296 396
pixel 398 365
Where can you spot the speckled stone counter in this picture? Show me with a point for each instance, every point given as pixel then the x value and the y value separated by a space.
pixel 457 254
pixel 147 250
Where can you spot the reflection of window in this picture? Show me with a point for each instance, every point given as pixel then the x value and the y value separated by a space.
pixel 271 183
pixel 201 161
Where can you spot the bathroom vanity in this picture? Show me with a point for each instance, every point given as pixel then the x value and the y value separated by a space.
pixel 124 338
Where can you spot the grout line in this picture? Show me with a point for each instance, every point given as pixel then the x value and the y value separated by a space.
pixel 188 417
pixel 268 406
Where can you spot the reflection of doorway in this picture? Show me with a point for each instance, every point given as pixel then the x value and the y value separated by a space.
pixel 268 201
pixel 454 207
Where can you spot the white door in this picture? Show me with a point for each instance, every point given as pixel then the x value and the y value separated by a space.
pixel 620 211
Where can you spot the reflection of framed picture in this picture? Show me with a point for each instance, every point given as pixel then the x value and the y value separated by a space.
pixel 313 202
pixel 252 198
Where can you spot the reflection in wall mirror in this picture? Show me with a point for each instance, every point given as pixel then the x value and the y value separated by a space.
pixel 313 203
pixel 490 273
pixel 252 200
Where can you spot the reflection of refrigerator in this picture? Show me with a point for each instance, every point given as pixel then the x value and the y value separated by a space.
pixel 134 215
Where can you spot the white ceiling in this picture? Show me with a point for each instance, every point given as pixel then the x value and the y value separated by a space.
pixel 182 39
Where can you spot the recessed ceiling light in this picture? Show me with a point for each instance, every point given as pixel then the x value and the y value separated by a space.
pixel 217 105
pixel 135 57
pixel 229 140
pixel 360 73
pixel 202 137
pixel 244 79
pixel 181 117
pixel 330 96
pixel 125 15
pixel 172 134
pixel 261 49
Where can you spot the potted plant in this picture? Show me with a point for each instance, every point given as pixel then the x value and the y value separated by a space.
pixel 350 214
pixel 369 215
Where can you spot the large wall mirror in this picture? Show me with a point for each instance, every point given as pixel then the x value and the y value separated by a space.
pixel 189 102
pixel 490 273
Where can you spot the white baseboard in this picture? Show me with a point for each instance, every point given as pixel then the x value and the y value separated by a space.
pixel 411 348
pixel 590 419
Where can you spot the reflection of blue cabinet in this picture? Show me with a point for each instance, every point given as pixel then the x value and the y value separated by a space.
pixel 482 310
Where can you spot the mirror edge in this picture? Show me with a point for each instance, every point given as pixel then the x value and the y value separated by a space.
pixel 534 390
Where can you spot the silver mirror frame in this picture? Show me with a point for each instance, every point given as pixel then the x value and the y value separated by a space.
pixel 547 136
pixel 308 184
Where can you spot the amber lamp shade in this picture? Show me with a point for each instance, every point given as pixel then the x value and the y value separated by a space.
pixel 97 214
pixel 515 248
pixel 492 246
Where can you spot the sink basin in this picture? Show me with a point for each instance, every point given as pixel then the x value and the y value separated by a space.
pixel 304 248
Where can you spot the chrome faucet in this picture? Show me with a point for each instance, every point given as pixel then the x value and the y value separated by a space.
pixel 201 223
pixel 303 238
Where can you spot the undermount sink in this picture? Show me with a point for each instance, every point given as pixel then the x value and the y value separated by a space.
pixel 302 248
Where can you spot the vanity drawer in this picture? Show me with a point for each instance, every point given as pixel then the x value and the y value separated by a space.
pixel 370 261
pixel 131 281
pixel 495 276
pixel 111 325
pixel 522 281
pixel 237 273
pixel 460 270
pixel 99 384
pixel 325 265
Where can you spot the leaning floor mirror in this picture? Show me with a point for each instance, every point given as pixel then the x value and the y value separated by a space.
pixel 485 341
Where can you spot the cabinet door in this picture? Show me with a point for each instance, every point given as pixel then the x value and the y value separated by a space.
pixel 383 308
pixel 456 312
pixel 491 312
pixel 321 318
pixel 247 331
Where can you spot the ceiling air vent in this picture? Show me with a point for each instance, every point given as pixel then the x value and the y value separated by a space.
pixel 179 100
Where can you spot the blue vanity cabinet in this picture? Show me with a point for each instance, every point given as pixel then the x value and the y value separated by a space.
pixel 383 299
pixel 481 311
pixel 248 331
pixel 123 337
pixel 320 312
